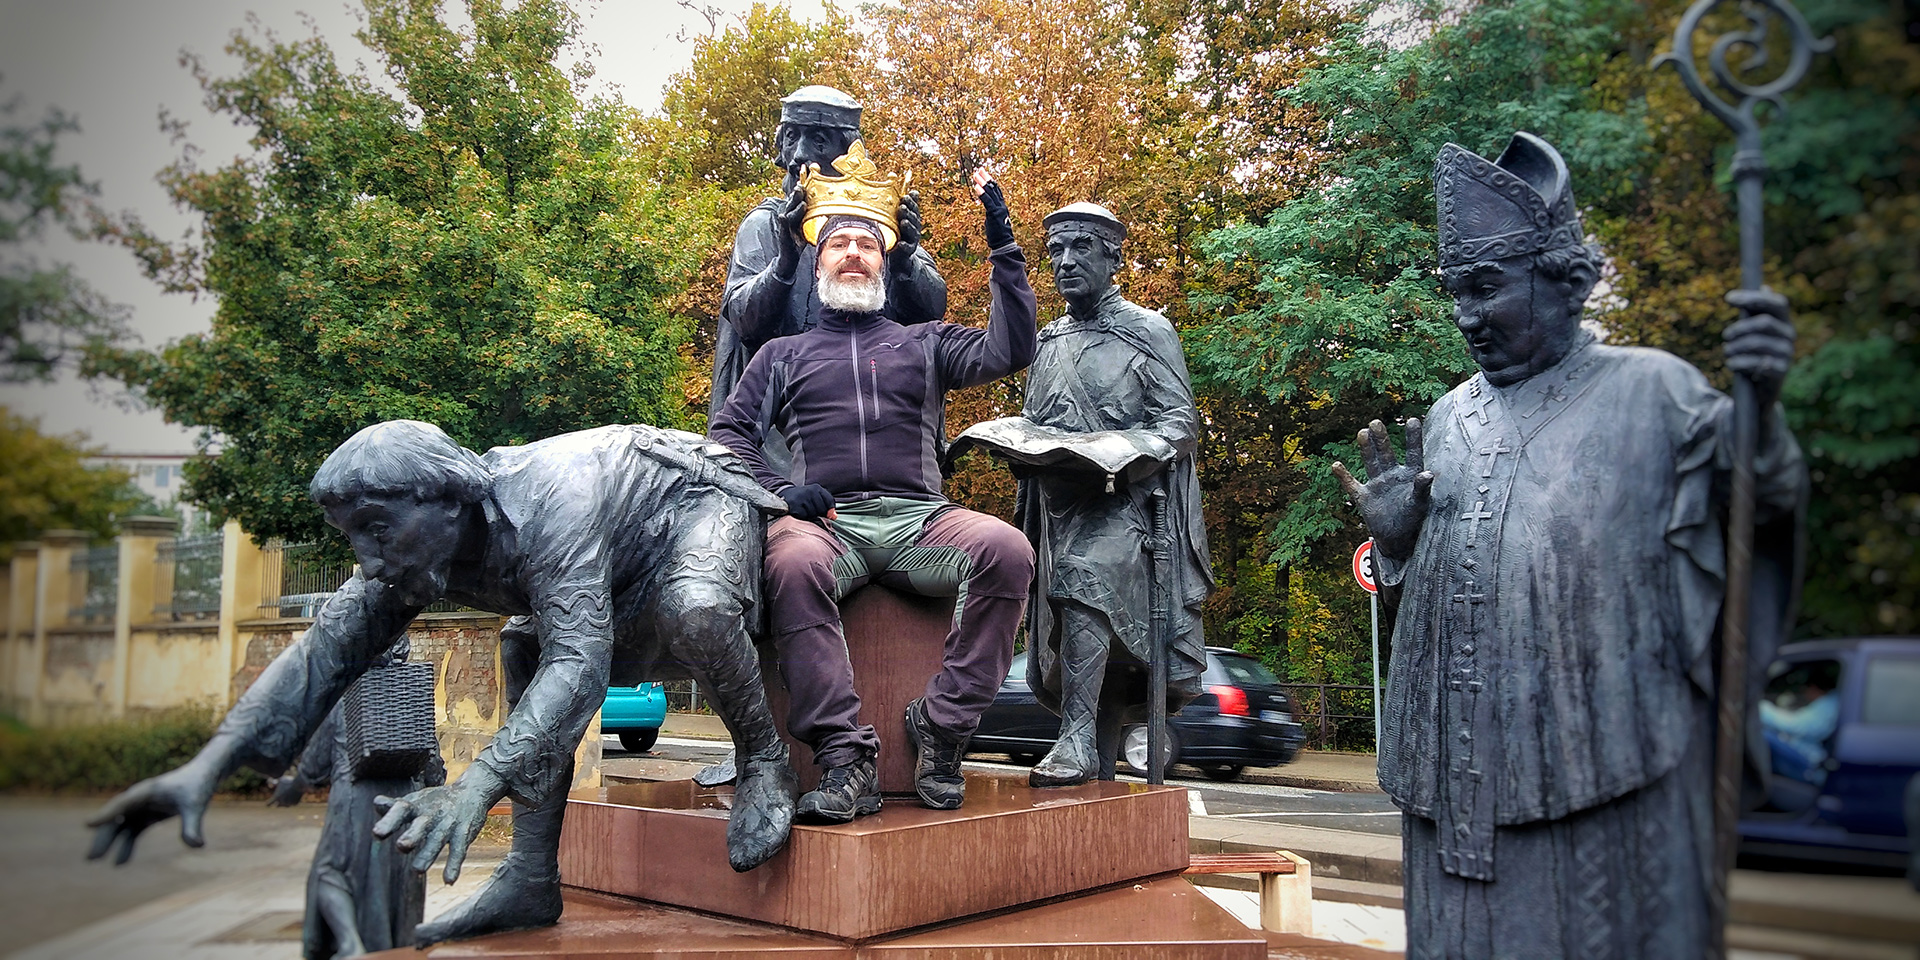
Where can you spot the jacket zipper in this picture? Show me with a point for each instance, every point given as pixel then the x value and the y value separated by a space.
pixel 859 402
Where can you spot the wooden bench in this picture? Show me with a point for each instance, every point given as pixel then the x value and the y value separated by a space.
pixel 1286 885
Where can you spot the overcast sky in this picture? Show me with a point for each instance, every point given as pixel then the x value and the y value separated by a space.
pixel 114 64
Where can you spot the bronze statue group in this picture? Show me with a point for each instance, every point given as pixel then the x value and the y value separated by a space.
pixel 1550 548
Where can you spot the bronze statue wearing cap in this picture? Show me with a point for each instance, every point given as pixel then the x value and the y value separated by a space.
pixel 1104 448
pixel 770 289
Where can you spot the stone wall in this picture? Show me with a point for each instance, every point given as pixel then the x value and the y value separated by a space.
pixel 56 673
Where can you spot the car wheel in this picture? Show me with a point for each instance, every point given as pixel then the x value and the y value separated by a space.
pixel 1222 771
pixel 1133 747
pixel 639 741
pixel 1024 759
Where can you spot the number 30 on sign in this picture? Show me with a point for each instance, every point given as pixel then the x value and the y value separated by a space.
pixel 1363 567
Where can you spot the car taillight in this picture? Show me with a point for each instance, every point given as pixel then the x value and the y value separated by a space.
pixel 1233 700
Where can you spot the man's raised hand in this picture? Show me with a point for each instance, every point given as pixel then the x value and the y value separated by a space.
pixel 182 792
pixel 1395 498
pixel 907 219
pixel 999 219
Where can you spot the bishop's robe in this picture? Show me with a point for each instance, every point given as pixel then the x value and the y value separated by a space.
pixel 1547 717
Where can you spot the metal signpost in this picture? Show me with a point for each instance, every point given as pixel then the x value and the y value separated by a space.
pixel 1749 172
pixel 1363 572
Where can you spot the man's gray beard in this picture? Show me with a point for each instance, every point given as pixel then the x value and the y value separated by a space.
pixel 854 296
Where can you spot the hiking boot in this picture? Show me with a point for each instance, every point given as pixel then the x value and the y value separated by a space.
pixel 936 768
pixel 844 792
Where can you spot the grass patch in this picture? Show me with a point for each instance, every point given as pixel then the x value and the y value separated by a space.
pixel 107 757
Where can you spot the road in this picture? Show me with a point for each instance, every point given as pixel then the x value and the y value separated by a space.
pixel 1359 812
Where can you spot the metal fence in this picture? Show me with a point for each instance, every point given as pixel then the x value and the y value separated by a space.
pixel 305 580
pixel 683 696
pixel 186 578
pixel 95 575
pixel 296 579
pixel 1337 716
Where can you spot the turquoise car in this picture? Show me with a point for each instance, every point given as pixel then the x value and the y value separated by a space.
pixel 635 713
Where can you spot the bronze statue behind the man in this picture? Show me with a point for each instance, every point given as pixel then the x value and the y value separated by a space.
pixel 624 553
pixel 771 290
pixel 1553 542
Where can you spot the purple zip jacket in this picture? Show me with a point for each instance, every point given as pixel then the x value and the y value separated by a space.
pixel 861 399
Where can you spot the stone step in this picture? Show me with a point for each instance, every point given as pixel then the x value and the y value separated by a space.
pixel 1331 889
pixel 1868 908
pixel 1776 942
pixel 1335 854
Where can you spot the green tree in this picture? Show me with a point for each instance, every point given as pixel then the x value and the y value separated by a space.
pixel 1346 320
pixel 46 312
pixel 484 251
pixel 46 484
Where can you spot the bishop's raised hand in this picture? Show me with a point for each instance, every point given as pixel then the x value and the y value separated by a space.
pixel 1395 498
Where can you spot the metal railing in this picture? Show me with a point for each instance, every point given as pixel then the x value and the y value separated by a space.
pixel 95 575
pixel 1337 716
pixel 683 696
pixel 186 578
pixel 296 581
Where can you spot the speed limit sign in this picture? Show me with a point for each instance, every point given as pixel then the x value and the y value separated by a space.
pixel 1363 567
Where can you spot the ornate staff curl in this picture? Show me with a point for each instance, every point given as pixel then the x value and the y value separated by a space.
pixel 1749 173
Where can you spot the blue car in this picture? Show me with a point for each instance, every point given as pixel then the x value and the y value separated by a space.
pixel 635 713
pixel 1840 765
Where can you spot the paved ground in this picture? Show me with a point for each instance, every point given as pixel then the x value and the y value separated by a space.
pixel 1311 769
pixel 238 898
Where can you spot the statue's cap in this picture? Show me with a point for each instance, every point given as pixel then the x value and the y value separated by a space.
pixel 1519 204
pixel 1087 216
pixel 820 106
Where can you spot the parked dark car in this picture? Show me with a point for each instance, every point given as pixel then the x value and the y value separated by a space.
pixel 1846 804
pixel 1243 719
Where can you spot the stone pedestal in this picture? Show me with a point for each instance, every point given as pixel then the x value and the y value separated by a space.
pixel 896 641
pixel 1163 918
pixel 903 867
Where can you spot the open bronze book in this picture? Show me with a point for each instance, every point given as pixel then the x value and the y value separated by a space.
pixel 1114 454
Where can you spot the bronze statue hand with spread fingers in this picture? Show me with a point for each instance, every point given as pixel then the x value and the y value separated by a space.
pixel 623 553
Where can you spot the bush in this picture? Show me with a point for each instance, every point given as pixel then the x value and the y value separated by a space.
pixel 111 756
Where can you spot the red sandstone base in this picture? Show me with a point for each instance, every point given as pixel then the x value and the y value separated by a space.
pixel 1162 918
pixel 896 642
pixel 903 867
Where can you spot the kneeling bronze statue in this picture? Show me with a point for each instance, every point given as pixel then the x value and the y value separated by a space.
pixel 623 553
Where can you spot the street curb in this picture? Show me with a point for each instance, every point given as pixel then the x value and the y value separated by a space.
pixel 1309 782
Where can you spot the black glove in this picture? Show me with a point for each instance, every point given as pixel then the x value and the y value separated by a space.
pixel 907 218
pixel 807 501
pixel 999 221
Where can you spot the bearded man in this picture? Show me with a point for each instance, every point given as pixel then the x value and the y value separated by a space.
pixel 865 503
pixel 1553 543
pixel 770 289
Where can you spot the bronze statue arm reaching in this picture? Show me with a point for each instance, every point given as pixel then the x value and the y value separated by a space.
pixel 272 721
pixel 531 758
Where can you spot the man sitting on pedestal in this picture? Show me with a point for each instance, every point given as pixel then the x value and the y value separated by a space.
pixel 861 401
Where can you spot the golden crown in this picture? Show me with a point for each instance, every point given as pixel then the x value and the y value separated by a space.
pixel 861 191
